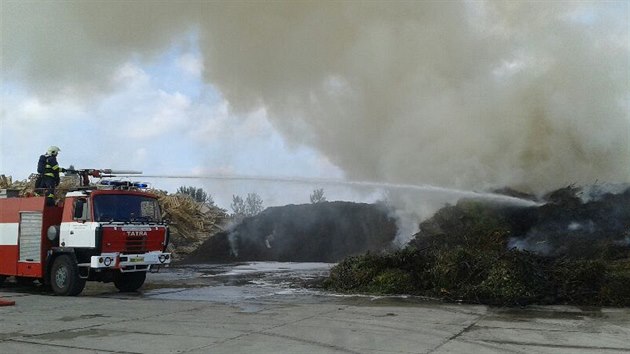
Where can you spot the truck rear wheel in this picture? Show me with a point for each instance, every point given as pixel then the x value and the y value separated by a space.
pixel 64 277
pixel 128 282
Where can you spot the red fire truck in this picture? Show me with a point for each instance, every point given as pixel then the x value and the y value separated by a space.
pixel 108 235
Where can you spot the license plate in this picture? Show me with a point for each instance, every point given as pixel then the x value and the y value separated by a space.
pixel 136 259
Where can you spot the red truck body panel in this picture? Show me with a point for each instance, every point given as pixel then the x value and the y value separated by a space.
pixel 11 210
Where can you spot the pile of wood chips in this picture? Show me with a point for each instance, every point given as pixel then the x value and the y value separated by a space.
pixel 26 187
pixel 191 222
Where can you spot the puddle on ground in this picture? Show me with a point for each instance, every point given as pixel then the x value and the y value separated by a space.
pixel 82 317
pixel 250 285
pixel 91 332
pixel 238 282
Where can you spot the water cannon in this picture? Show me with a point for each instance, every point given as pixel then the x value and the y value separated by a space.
pixel 110 172
pixel 86 173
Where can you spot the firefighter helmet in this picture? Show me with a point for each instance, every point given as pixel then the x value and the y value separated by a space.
pixel 53 150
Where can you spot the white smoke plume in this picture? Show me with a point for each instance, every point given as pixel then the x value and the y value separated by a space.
pixel 533 95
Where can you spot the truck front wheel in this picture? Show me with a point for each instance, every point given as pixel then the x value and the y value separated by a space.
pixel 64 277
pixel 128 282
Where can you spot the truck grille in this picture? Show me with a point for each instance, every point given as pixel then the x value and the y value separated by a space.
pixel 136 244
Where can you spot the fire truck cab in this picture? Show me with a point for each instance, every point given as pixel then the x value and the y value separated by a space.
pixel 92 235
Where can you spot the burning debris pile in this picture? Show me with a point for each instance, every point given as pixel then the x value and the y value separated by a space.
pixel 572 222
pixel 573 249
pixel 320 232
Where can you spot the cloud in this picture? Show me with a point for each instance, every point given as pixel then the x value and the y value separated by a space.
pixel 129 75
pixel 170 113
pixel 191 64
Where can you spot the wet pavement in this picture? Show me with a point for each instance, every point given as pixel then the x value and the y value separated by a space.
pixel 240 282
pixel 270 307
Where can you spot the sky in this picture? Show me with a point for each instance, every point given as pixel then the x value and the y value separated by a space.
pixel 469 95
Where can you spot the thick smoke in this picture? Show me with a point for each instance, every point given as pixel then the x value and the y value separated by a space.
pixel 533 95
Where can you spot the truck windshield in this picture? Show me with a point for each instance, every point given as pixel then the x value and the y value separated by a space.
pixel 126 208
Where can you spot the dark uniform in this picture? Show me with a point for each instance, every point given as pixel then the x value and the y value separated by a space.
pixel 48 170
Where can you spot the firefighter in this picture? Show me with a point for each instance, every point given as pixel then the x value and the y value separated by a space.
pixel 48 170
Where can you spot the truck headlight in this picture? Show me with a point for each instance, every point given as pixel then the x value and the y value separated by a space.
pixel 53 232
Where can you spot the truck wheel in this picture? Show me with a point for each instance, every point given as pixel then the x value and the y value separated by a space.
pixel 128 282
pixel 64 277
pixel 2 278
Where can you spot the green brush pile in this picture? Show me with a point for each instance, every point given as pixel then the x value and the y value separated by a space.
pixel 466 253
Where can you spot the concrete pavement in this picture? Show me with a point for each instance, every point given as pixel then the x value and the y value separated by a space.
pixel 103 322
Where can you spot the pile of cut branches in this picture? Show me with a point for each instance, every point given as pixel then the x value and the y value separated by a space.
pixel 568 251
